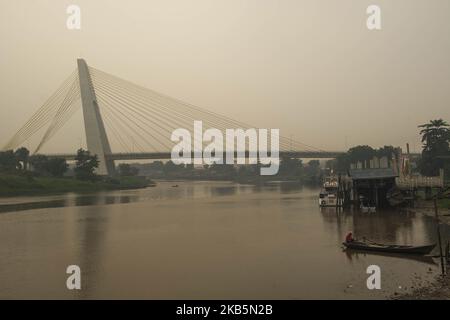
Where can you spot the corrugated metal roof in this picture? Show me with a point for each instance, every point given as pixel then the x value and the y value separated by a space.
pixel 362 174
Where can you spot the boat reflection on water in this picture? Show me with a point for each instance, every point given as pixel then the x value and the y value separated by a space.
pixel 355 255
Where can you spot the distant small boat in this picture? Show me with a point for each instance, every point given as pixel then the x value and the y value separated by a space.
pixel 359 245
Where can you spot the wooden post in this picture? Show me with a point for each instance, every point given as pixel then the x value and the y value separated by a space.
pixel 338 193
pixel 447 252
pixel 439 236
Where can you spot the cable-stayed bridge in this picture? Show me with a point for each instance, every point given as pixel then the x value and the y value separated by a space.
pixel 138 121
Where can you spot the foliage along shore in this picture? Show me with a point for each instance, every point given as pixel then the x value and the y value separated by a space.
pixel 23 185
pixel 22 174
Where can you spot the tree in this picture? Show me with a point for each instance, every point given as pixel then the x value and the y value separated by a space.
pixel 42 165
pixel 39 164
pixel 56 167
pixel 386 151
pixel 8 161
pixel 291 167
pixel 435 139
pixel 126 170
pixel 170 167
pixel 22 155
pixel 312 172
pixel 360 153
pixel 85 165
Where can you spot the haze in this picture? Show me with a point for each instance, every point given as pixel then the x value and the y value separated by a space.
pixel 310 68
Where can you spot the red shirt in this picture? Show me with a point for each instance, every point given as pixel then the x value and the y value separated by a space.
pixel 349 237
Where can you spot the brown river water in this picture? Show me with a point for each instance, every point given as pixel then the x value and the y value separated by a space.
pixel 202 240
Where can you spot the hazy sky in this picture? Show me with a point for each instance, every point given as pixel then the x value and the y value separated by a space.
pixel 310 68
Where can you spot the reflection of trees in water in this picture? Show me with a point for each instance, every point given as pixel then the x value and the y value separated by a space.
pixel 401 227
pixel 430 227
pixel 102 199
pixel 391 226
pixel 336 221
pixel 287 187
pixel 33 205
pixel 70 201
pixel 223 191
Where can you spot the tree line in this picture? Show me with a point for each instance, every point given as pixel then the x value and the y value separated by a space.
pixel 290 169
pixel 21 162
pixel 435 137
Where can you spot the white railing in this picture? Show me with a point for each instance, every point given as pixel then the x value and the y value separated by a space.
pixel 419 182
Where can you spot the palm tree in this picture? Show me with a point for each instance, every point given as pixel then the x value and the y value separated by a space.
pixel 435 139
pixel 435 133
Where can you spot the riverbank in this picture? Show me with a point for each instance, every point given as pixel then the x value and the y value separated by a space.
pixel 18 185
pixel 439 289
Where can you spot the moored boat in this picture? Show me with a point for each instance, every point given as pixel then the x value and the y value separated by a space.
pixel 328 194
pixel 366 246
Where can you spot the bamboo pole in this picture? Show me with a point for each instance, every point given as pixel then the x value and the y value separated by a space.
pixel 439 236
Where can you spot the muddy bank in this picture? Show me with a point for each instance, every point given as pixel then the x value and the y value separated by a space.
pixel 439 289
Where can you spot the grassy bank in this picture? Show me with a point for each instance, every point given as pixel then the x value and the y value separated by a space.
pixel 16 185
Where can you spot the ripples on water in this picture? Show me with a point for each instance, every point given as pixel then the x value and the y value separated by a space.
pixel 202 240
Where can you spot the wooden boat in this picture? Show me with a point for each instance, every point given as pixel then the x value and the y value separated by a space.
pixel 366 246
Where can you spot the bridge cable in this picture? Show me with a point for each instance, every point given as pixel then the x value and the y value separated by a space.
pixel 63 114
pixel 41 116
pixel 113 107
pixel 286 141
pixel 141 104
pixel 122 126
pixel 131 117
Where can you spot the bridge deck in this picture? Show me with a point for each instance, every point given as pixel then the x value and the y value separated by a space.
pixel 167 155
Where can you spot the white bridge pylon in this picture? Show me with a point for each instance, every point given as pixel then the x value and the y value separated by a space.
pixel 96 138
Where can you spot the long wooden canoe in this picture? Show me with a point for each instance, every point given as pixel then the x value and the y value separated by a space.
pixel 365 246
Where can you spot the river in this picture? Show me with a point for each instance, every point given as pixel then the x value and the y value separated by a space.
pixel 202 240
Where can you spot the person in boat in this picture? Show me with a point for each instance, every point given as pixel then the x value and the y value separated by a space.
pixel 349 237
